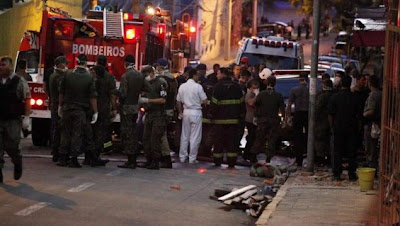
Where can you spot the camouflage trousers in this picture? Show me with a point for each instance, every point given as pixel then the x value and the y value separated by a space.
pixel 76 126
pixel 154 129
pixel 10 137
pixel 128 133
pixel 267 136
pixel 56 123
pixel 165 148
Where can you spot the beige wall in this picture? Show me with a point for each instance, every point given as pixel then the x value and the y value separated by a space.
pixel 212 29
pixel 28 16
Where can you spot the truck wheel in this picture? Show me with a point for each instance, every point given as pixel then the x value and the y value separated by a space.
pixel 40 131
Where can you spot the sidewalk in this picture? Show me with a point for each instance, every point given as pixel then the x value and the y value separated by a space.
pixel 315 200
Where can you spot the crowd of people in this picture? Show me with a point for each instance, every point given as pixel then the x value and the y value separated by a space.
pixel 213 110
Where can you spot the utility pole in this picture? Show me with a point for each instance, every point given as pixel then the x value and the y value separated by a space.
pixel 255 10
pixel 229 32
pixel 313 85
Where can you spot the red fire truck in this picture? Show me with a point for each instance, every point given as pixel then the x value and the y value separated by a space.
pixel 110 33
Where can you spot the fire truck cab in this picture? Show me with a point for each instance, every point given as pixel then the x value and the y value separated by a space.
pixel 275 52
pixel 110 33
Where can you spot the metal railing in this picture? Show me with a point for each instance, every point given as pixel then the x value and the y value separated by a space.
pixel 390 132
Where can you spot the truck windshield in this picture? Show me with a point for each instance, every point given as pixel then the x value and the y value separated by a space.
pixel 32 59
pixel 272 62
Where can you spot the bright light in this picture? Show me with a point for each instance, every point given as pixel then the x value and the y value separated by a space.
pixel 192 29
pixel 126 16
pixel 39 102
pixel 130 34
pixel 150 11
pixel 33 102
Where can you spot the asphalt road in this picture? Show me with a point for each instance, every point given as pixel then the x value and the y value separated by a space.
pixel 51 195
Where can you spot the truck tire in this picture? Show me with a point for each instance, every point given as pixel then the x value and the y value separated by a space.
pixel 40 131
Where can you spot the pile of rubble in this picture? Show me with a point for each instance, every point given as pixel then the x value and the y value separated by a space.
pixel 253 199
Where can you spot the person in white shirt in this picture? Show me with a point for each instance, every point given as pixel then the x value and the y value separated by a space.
pixel 191 95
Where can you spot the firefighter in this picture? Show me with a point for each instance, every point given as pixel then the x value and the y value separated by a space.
pixel 226 110
pixel 15 101
pixel 78 109
pixel 268 104
pixel 155 123
pixel 105 89
pixel 60 68
pixel 207 127
pixel 111 102
pixel 172 89
pixel 132 83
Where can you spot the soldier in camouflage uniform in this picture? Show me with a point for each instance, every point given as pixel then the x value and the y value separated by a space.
pixel 15 101
pixel 78 110
pixel 172 89
pixel 322 128
pixel 155 121
pixel 132 84
pixel 105 88
pixel 268 105
pixel 54 87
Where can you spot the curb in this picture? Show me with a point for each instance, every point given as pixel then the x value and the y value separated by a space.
pixel 271 207
pixel 50 157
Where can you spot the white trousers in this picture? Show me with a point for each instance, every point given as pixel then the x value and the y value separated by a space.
pixel 191 134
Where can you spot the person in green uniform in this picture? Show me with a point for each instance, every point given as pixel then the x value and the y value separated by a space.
pixel 105 88
pixel 15 101
pixel 132 84
pixel 155 121
pixel 268 105
pixel 60 68
pixel 78 109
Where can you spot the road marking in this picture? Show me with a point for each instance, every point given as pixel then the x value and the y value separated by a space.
pixel 115 173
pixel 81 187
pixel 28 211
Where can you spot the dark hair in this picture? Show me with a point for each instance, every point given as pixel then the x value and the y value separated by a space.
pixel 224 71
pixel 328 83
pixel 325 76
pixel 6 59
pixel 192 72
pixel 147 70
pixel 271 81
pixel 102 60
pixel 358 76
pixel 374 81
pixel 253 82
pixel 245 72
pixel 341 73
pixel 21 64
pixel 216 65
pixel 346 81
pixel 99 70
pixel 82 59
pixel 187 68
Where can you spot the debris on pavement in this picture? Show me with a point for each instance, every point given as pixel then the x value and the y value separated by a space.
pixel 176 187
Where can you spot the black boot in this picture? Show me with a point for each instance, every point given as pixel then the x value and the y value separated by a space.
pixel 155 164
pixel 166 162
pixel 231 162
pixel 1 176
pixel 18 169
pixel 130 164
pixel 55 156
pixel 88 159
pixel 63 160
pixel 99 162
pixel 74 163
pixel 218 161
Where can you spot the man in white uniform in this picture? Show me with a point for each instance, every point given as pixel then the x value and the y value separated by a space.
pixel 191 95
